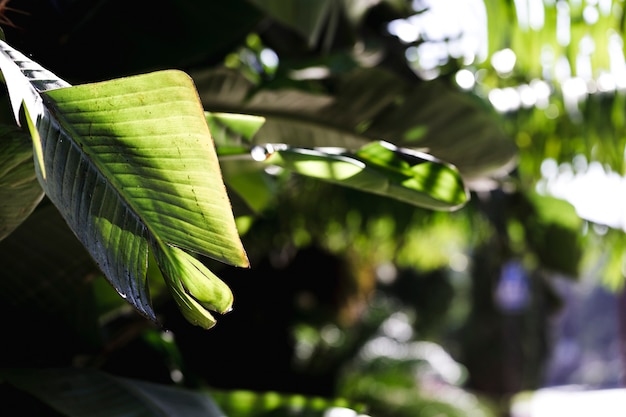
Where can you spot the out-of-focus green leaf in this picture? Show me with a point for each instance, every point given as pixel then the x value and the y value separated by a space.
pixel 19 190
pixel 256 404
pixel 80 393
pixel 233 135
pixel 233 129
pixel 304 16
pixel 554 233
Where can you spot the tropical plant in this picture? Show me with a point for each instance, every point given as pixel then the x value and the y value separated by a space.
pixel 130 166
pixel 321 90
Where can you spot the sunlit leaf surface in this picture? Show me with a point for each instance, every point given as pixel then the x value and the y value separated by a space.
pixel 131 165
pixel 380 168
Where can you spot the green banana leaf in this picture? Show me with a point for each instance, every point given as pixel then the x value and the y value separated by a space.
pixel 233 134
pixel 131 166
pixel 19 190
pixel 379 168
pixel 369 105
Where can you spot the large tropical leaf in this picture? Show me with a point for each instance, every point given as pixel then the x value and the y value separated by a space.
pixel 131 165
pixel 83 392
pixel 369 105
pixel 19 190
pixel 56 280
pixel 79 393
pixel 380 168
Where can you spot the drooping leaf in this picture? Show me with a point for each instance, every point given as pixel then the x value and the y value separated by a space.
pixel 369 105
pixel 380 168
pixel 79 393
pixel 131 165
pixel 19 190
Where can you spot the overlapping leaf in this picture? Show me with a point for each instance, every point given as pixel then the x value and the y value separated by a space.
pixel 132 168
pixel 380 168
pixel 78 393
pixel 370 105
pixel 19 190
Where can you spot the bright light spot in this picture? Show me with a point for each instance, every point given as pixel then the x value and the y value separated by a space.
pixel 176 375
pixel 310 73
pixel 562 70
pixel 386 273
pixel 606 82
pixel 403 29
pixel 605 7
pixel 521 9
pixel 459 262
pixel 547 61
pixel 549 169
pixel 590 14
pixel 397 327
pixel 505 99
pixel 542 93
pixel 431 55
pixel 441 362
pixel 587 45
pixel 574 91
pixel 465 79
pixel 562 23
pixel 527 95
pixel 550 402
pixel 259 153
pixel 269 58
pixel 597 195
pixel 456 27
pixel 167 336
pixel 340 412
pixel 331 335
pixel 575 88
pixel 583 66
pixel 503 61
pixel 616 58
pixel 536 14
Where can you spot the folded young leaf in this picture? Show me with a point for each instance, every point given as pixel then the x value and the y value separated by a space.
pixel 131 165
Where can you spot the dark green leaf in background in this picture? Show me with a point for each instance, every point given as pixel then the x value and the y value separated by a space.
pixel 19 190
